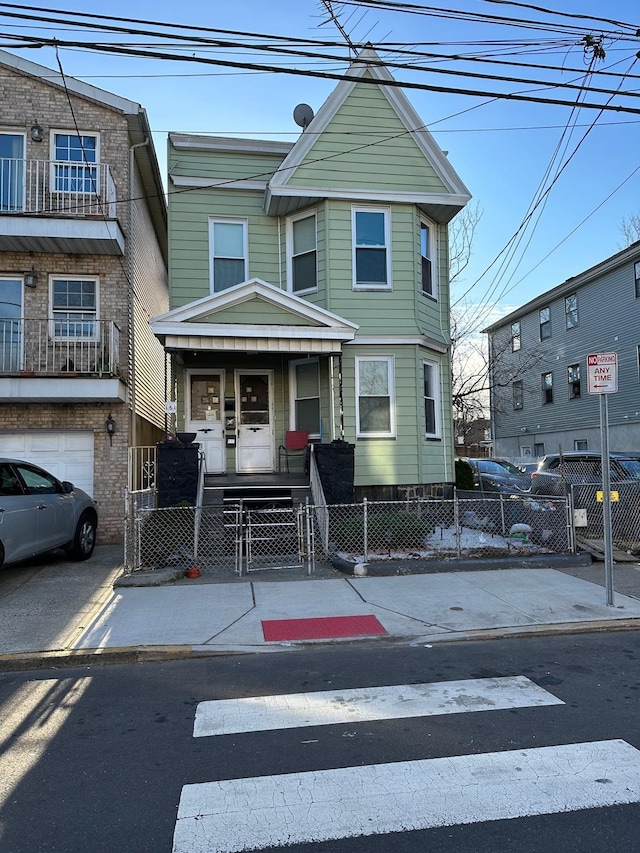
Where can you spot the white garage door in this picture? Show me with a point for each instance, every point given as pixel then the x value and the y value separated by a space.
pixel 67 455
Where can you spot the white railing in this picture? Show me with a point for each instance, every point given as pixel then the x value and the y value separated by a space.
pixel 60 347
pixel 50 187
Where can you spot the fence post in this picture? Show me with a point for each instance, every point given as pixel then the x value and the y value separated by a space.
pixel 365 532
pixel 310 553
pixel 456 521
pixel 504 531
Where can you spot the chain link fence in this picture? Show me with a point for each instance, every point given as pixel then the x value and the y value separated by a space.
pixel 588 514
pixel 242 539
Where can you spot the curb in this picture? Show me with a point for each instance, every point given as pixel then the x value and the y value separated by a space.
pixel 29 661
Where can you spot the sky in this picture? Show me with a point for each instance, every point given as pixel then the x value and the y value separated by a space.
pixel 506 152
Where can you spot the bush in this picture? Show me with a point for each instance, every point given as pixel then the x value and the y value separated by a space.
pixel 384 530
pixel 464 475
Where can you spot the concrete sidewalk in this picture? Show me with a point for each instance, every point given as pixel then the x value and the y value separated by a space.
pixel 71 610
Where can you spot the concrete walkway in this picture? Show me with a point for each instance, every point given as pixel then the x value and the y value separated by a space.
pixel 55 610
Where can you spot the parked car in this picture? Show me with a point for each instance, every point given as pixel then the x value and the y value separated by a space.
pixel 39 513
pixel 499 475
pixel 557 473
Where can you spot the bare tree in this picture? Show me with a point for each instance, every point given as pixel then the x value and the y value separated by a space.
pixel 630 228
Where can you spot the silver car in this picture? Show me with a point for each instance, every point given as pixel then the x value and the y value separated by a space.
pixel 39 513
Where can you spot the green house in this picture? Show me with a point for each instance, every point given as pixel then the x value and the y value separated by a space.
pixel 309 290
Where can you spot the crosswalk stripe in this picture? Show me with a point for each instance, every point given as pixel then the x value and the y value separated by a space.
pixel 268 811
pixel 266 713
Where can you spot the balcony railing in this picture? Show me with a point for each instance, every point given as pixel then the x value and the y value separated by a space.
pixel 59 347
pixel 50 187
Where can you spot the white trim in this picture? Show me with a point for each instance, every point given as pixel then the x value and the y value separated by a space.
pixel 52 318
pixel 289 248
pixel 227 220
pixel 434 235
pixel 390 360
pixel 355 194
pixel 437 399
pixel 212 330
pixel 247 290
pixel 188 141
pixel 386 212
pixel 96 189
pixel 217 183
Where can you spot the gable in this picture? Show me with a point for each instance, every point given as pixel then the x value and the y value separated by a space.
pixel 366 145
pixel 256 311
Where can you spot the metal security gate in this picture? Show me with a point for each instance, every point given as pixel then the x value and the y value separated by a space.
pixel 274 538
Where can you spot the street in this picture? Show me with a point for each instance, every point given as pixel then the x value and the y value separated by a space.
pixel 98 759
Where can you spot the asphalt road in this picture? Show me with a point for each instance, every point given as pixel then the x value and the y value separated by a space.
pixel 97 759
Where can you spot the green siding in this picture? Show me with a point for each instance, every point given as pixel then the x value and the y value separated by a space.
pixel 409 458
pixel 366 145
pixel 256 311
pixel 229 165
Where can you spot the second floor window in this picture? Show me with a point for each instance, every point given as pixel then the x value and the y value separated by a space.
pixel 636 273
pixel 545 323
pixel 547 388
pixel 427 256
pixel 375 396
pixel 75 158
pixel 371 249
pixel 302 254
pixel 573 372
pixel 516 337
pixel 431 398
pixel 571 310
pixel 518 395
pixel 228 248
pixel 74 308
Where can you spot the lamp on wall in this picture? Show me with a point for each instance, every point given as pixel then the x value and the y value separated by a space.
pixel 110 426
pixel 31 277
pixel 37 133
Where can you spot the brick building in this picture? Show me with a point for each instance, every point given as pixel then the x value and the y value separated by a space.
pixel 82 268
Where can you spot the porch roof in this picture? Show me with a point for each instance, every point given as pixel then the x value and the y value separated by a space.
pixel 231 321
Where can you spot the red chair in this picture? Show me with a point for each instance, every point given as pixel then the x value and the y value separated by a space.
pixel 295 444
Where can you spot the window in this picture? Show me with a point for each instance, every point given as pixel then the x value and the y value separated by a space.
pixel 571 310
pixel 302 265
pixel 580 444
pixel 431 399
pixel 547 388
pixel 428 260
pixel 545 323
pixel 375 402
pixel 574 381
pixel 74 308
pixel 516 339
pixel 228 247
pixel 636 273
pixel 518 395
pixel 75 158
pixel 12 172
pixel 371 249
pixel 538 449
pixel 305 378
pixel 525 451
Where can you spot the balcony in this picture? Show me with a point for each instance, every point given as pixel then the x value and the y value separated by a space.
pixel 60 361
pixel 58 206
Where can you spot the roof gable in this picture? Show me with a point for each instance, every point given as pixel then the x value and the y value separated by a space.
pixel 272 305
pixel 342 110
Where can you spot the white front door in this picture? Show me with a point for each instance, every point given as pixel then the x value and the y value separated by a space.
pixel 255 450
pixel 204 395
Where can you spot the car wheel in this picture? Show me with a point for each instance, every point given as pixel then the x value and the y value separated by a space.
pixel 84 540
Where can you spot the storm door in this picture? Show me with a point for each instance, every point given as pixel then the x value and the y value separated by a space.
pixel 204 416
pixel 255 451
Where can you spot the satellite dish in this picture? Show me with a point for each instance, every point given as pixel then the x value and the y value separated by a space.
pixel 302 115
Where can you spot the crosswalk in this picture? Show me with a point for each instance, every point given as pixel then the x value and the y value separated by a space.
pixel 265 812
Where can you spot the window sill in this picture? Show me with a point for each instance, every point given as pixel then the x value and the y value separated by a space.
pixel 429 296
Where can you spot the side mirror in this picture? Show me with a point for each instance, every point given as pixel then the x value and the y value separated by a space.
pixel 67 487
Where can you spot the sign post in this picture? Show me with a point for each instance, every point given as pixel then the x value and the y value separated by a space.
pixel 602 379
